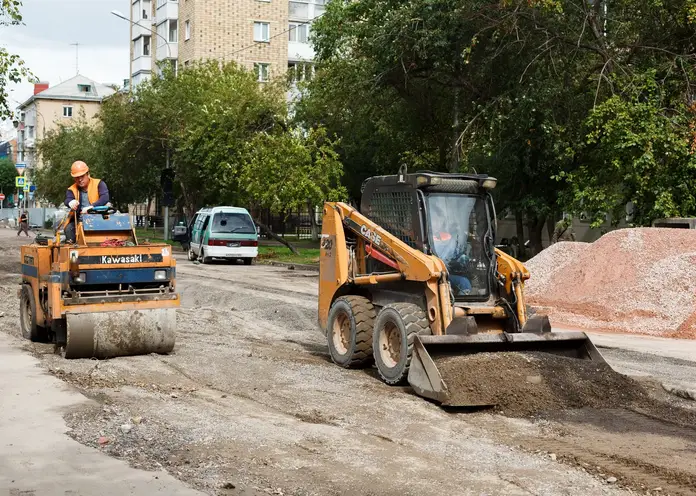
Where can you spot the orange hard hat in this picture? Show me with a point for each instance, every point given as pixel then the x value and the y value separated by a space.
pixel 78 169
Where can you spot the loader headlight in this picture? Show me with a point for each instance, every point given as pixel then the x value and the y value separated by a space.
pixel 160 275
pixel 489 183
pixel 81 278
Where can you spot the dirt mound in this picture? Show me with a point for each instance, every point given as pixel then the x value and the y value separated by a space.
pixel 526 383
pixel 630 280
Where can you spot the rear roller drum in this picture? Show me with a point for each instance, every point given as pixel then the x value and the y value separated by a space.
pixel 349 331
pixel 395 329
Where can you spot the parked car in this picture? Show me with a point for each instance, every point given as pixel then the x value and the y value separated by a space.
pixel 223 232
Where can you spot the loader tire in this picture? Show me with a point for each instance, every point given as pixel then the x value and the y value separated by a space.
pixel 349 331
pixel 27 317
pixel 395 329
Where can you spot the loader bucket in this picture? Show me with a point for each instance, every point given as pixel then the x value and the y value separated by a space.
pixel 429 381
pixel 120 333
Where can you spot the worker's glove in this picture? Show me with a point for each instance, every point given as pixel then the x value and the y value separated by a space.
pixel 85 210
pixel 74 204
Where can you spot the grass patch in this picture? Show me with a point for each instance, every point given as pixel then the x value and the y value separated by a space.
pixel 152 235
pixel 308 256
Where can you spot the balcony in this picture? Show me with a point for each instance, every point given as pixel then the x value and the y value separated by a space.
pixel 142 28
pixel 163 53
pixel 169 10
pixel 300 51
pixel 141 64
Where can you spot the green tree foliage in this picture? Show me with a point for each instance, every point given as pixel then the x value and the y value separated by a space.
pixel 7 176
pixel 510 88
pixel 12 67
pixel 59 149
pixel 226 138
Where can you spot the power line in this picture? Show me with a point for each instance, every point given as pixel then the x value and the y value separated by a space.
pixel 309 21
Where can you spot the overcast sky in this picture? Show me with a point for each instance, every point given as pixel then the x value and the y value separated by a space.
pixel 50 26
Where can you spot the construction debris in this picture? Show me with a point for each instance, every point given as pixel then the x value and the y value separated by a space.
pixel 639 280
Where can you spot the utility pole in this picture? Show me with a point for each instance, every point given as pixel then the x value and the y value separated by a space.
pixel 77 57
pixel 166 208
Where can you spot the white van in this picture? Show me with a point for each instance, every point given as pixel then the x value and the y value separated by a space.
pixel 223 232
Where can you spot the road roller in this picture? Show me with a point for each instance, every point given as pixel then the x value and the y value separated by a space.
pixel 101 295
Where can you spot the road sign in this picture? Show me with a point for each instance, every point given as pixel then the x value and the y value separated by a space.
pixel 31 195
pixel 32 187
pixel 19 181
pixel 20 168
pixel 26 188
pixel 2 197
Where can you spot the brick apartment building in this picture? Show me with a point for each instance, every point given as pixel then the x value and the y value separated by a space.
pixel 270 36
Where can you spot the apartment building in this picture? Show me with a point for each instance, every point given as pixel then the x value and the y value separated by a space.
pixel 52 106
pixel 154 34
pixel 268 36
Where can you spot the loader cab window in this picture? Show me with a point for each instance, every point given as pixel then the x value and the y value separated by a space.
pixel 457 226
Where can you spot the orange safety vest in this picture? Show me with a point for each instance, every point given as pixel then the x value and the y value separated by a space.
pixel 92 191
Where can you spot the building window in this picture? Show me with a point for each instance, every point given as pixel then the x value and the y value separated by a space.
pixel 161 3
pixel 298 32
pixel 84 88
pixel 30 132
pixel 146 46
pixel 67 110
pixel 299 72
pixel 187 30
pixel 261 71
pixel 262 31
pixel 173 31
pixel 161 33
pixel 174 65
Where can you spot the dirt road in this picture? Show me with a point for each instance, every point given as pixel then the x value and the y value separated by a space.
pixel 250 404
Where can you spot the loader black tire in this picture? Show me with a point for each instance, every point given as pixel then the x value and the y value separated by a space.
pixel 349 331
pixel 27 317
pixel 392 339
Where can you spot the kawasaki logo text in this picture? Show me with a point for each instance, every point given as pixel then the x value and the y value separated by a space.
pixel 122 260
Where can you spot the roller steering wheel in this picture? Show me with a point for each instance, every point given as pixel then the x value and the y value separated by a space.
pixel 103 210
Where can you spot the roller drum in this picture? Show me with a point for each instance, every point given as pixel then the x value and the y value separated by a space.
pixel 120 333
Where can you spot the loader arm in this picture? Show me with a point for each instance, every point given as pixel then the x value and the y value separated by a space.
pixel 339 266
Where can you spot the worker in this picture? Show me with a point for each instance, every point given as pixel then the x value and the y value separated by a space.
pixel 23 224
pixel 451 251
pixel 84 193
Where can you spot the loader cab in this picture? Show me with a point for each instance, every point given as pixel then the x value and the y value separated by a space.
pixel 450 216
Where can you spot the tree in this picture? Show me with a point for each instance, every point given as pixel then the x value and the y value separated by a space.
pixel 59 149
pixel 12 67
pixel 7 177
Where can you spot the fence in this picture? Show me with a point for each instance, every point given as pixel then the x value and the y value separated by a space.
pixel 296 223
pixel 37 216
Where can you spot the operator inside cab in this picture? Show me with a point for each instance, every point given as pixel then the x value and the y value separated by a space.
pixel 455 240
pixel 84 193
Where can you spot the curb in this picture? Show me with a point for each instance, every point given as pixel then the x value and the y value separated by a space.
pixel 292 266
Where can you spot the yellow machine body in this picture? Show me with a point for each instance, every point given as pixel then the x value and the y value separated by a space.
pixel 103 296
pixel 386 297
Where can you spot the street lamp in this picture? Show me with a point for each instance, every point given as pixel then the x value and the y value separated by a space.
pixel 166 41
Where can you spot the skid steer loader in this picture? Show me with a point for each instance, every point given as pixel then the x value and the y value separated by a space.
pixel 415 276
pixel 102 296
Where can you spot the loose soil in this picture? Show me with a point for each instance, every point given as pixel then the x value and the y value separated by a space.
pixel 521 384
pixel 250 403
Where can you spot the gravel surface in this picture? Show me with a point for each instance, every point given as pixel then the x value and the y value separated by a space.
pixel 630 280
pixel 250 403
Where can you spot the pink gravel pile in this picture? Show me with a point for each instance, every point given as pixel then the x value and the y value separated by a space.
pixel 631 280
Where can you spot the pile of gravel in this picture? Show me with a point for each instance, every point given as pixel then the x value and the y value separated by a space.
pixel 639 280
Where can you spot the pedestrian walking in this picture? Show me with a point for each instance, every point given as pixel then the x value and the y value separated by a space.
pixel 23 224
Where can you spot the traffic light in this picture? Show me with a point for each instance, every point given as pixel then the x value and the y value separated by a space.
pixel 167 183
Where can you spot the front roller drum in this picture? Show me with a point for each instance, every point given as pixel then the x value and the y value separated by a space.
pixel 120 333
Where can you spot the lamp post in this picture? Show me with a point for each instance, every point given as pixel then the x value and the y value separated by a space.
pixel 169 52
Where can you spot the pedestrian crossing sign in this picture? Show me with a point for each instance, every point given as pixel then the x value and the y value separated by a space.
pixel 20 181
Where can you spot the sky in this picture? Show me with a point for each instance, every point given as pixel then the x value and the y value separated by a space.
pixel 50 26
